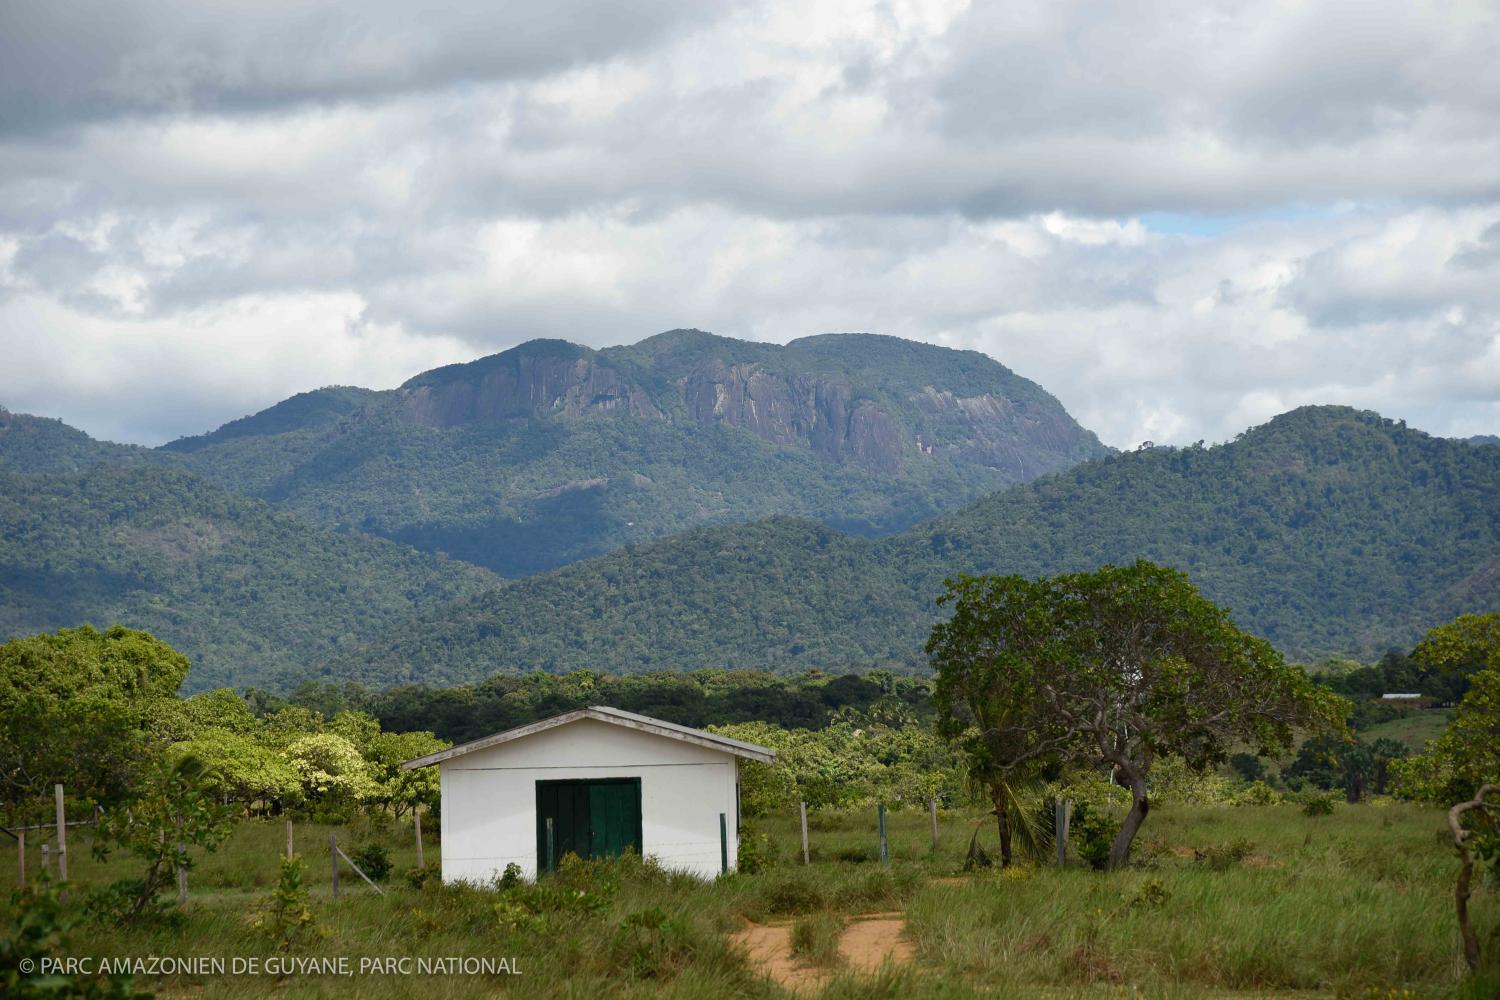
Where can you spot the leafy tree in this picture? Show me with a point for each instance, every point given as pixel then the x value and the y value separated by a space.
pixel 173 809
pixel 331 769
pixel 992 659
pixel 1125 664
pixel 404 791
pixel 241 769
pixel 77 706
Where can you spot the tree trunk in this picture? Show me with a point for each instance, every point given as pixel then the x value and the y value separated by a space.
pixel 1140 805
pixel 1002 820
pixel 1461 904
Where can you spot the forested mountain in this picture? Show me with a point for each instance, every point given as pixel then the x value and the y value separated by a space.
pixel 551 452
pixel 1328 530
pixel 250 595
pixel 41 444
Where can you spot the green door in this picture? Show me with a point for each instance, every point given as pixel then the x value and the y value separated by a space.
pixel 592 818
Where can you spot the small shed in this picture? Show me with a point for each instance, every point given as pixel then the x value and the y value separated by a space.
pixel 591 782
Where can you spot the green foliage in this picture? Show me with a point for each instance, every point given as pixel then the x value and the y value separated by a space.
pixel 1306 527
pixel 171 810
pixel 331 769
pixel 1092 833
pixel 41 932
pixel 1221 857
pixel 286 919
pixel 1317 804
pixel 1467 754
pixel 247 594
pixel 374 860
pixel 756 852
pixel 74 708
pixel 791 894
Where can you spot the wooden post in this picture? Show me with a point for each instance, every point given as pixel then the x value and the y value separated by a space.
pixel 62 835
pixel 723 845
pixel 20 857
pixel 885 854
pixel 932 808
pixel 806 858
pixel 289 840
pixel 1061 819
pixel 551 858
pixel 46 860
pixel 333 857
pixel 181 871
pixel 360 872
pixel 416 815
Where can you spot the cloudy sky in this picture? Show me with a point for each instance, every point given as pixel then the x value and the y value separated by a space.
pixel 1179 218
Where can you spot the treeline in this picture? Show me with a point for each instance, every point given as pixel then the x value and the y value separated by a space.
pixel 699 699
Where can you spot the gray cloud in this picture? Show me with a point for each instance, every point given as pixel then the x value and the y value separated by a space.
pixel 201 214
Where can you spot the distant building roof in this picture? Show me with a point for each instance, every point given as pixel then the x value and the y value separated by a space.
pixel 1393 695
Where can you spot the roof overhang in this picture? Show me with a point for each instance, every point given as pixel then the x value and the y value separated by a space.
pixel 613 716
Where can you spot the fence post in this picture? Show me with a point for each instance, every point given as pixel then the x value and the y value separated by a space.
pixel 1061 819
pixel 416 815
pixel 289 840
pixel 932 808
pixel 723 845
pixel 20 857
pixel 551 852
pixel 62 835
pixel 333 857
pixel 806 857
pixel 46 860
pixel 181 870
pixel 885 854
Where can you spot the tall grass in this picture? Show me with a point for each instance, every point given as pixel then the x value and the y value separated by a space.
pixel 1354 904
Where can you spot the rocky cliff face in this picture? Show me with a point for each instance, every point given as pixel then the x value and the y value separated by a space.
pixel 880 425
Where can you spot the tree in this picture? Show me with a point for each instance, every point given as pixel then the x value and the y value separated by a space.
pixel 331 769
pixel 991 658
pixel 1467 754
pixel 1119 667
pixel 78 706
pixel 173 809
pixel 405 791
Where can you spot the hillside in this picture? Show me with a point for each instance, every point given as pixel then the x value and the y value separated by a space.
pixel 40 444
pixel 250 595
pixel 1328 530
pixel 550 452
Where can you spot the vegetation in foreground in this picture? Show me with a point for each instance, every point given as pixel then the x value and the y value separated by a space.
pixel 1357 904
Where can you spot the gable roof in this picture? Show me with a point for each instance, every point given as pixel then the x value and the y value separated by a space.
pixel 613 716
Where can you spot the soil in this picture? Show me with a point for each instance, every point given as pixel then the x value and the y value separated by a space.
pixel 866 944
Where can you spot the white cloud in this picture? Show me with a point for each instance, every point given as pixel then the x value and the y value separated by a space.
pixel 199 217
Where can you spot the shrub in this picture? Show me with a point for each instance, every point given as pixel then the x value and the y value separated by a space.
pixel 41 931
pixel 286 919
pixel 756 853
pixel 1093 833
pixel 1257 793
pixel 425 877
pixel 510 878
pixel 374 860
pixel 1318 805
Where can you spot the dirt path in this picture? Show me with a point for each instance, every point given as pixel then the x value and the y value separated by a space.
pixel 865 945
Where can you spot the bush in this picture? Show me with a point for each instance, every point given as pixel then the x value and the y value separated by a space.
pixel 286 919
pixel 1318 805
pixel 1093 833
pixel 374 860
pixel 1257 793
pixel 425 877
pixel 756 854
pixel 40 932
pixel 510 878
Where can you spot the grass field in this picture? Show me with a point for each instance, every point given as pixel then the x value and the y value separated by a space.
pixel 1357 904
pixel 1414 729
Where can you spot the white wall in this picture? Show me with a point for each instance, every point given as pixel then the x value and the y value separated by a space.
pixel 489 797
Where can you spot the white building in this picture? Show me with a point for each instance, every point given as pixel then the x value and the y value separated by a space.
pixel 605 779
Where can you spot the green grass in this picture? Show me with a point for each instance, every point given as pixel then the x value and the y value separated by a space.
pixel 1357 904
pixel 1414 728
